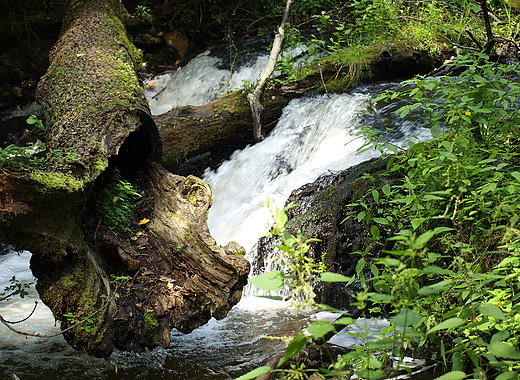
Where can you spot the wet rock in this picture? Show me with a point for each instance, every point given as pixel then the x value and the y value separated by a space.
pixel 319 211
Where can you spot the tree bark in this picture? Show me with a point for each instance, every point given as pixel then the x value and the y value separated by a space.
pixel 167 271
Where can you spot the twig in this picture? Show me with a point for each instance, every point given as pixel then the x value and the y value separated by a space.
pixel 26 318
pixel 475 41
pixel 322 80
pixel 254 97
pixel 37 335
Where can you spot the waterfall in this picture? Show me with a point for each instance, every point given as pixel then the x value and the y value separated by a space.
pixel 203 79
pixel 314 135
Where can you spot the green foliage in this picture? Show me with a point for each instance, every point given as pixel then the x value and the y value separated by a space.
pixel 16 288
pixel 25 157
pixel 118 281
pixel 451 276
pixel 37 122
pixel 115 202
pixel 73 320
pixel 301 270
pixel 142 11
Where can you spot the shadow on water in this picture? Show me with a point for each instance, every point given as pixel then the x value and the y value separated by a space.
pixel 219 350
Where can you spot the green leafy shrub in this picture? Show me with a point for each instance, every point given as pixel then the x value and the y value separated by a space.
pixel 451 281
pixel 115 202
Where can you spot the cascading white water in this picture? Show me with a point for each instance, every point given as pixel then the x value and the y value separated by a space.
pixel 199 82
pixel 313 136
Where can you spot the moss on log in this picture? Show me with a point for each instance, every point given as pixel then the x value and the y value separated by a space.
pixel 162 264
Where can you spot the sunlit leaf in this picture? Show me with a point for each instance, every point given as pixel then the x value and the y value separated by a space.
pixel 255 373
pixel 375 195
pixel 435 288
pixel 433 269
pixel 389 261
pixel 296 345
pixel 504 350
pixel 516 175
pixel 453 375
pixel 447 324
pixel 507 376
pixel 273 280
pixel 491 310
pixel 318 329
pixel 370 374
pixel 334 277
pixel 407 317
pixel 345 321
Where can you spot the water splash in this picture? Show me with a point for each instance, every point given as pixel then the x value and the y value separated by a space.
pixel 201 81
pixel 314 136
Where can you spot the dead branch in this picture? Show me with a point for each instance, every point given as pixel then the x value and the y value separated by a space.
pixel 254 98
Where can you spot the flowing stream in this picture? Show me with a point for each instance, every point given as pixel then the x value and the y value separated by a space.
pixel 314 136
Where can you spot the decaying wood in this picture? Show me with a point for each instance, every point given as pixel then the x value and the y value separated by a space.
pixel 254 98
pixel 169 270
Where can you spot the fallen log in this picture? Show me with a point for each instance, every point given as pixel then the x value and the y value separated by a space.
pixel 101 162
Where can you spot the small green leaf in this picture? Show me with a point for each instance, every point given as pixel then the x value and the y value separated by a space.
pixel 360 265
pixel 387 190
pixel 392 148
pixel 345 321
pixel 319 328
pixel 381 220
pixel 32 119
pixel 504 350
pixel 516 175
pixel 508 376
pixel 378 297
pixel 374 230
pixel 453 375
pixel 389 261
pixel 255 373
pixel 423 239
pixel 334 277
pixel 436 131
pixel 273 280
pixel 491 310
pixel 361 216
pixel 416 222
pixel 500 336
pixel 370 374
pixel 447 324
pixel 435 288
pixel 407 317
pixel 375 195
pixel 489 187
pixel 431 197
pixel 433 269
pixel 297 344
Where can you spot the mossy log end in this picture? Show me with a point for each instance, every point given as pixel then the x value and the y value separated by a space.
pixel 168 271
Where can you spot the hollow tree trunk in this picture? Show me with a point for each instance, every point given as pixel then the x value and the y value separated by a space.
pixel 98 120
